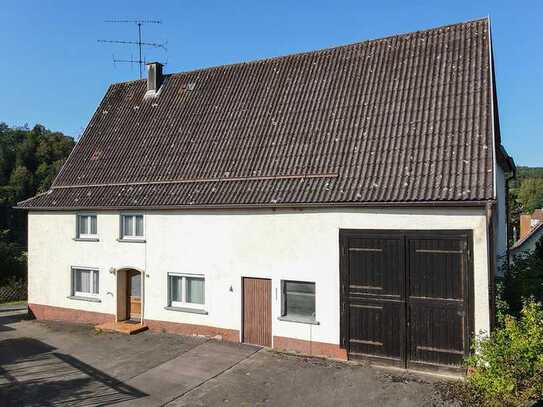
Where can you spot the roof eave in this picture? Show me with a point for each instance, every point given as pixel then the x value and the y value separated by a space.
pixel 412 204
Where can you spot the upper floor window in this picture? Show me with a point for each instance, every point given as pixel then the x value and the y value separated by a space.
pixel 131 226
pixel 87 226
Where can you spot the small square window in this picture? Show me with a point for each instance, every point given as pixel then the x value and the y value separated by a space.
pixel 186 290
pixel 87 226
pixel 132 227
pixel 85 282
pixel 298 300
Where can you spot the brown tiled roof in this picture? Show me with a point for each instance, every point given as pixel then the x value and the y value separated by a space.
pixel 406 118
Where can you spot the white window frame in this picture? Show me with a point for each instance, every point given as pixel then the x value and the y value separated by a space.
pixel 88 236
pixel 123 236
pixel 183 303
pixel 93 271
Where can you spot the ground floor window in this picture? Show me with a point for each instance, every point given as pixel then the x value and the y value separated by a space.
pixel 186 290
pixel 85 282
pixel 298 300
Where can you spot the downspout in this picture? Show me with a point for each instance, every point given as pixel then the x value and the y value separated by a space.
pixel 491 250
pixel 511 177
pixel 144 273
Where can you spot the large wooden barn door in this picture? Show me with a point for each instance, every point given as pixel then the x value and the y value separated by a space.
pixel 438 299
pixel 405 296
pixel 373 296
pixel 257 320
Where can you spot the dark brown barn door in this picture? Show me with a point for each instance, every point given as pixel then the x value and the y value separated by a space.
pixel 404 296
pixel 438 278
pixel 374 298
pixel 257 320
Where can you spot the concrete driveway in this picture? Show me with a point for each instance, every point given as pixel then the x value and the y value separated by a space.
pixel 61 364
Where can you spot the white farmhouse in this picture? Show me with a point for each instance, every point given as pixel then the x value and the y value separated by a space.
pixel 348 202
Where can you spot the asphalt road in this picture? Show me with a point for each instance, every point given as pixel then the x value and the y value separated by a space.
pixel 54 363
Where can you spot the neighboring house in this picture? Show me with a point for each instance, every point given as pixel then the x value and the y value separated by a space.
pixel 347 202
pixel 531 231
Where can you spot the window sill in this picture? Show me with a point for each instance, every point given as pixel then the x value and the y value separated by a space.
pixel 79 298
pixel 299 320
pixel 131 240
pixel 86 239
pixel 189 310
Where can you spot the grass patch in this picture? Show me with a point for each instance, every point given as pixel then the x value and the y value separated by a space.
pixel 21 302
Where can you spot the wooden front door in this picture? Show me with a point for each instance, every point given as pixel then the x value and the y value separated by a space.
pixel 405 296
pixel 257 320
pixel 134 294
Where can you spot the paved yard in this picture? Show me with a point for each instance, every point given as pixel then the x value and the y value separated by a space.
pixel 53 364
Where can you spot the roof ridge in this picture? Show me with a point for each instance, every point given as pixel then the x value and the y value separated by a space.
pixel 315 51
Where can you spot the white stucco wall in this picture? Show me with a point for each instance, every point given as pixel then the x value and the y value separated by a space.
pixel 226 246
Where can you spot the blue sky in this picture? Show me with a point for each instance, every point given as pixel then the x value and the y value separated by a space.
pixel 55 72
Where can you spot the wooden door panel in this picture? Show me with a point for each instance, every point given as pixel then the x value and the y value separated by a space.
pixel 257 320
pixel 436 268
pixel 373 268
pixel 376 328
pixel 135 307
pixel 436 334
pixel 373 287
pixel 436 303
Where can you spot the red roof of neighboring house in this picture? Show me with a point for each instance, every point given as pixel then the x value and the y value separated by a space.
pixel 536 230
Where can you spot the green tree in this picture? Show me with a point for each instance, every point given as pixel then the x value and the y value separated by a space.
pixel 30 159
pixel 530 194
pixel 21 182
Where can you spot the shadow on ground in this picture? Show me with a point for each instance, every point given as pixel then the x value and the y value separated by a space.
pixel 32 373
pixel 10 319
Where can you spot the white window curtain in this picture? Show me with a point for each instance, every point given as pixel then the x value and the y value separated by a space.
pixel 195 290
pixel 86 225
pixel 85 282
pixel 132 226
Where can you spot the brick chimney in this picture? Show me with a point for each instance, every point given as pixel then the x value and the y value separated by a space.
pixel 154 77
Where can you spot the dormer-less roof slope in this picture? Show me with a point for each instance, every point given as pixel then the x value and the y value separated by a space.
pixel 407 118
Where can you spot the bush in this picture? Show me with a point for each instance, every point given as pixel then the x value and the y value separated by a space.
pixel 502 306
pixel 12 260
pixel 506 368
pixel 524 279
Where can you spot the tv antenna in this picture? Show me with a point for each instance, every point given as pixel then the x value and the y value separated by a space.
pixel 140 43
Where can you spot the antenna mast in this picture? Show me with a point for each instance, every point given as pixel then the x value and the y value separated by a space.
pixel 140 43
